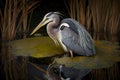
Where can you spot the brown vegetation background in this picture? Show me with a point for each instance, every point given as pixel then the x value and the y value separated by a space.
pixel 102 17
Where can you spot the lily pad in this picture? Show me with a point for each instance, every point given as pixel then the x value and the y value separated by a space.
pixel 106 55
pixel 36 47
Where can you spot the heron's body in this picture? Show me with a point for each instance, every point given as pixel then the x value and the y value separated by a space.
pixel 76 38
pixel 69 33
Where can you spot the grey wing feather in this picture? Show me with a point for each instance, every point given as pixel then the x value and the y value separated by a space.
pixel 71 42
pixel 85 40
pixel 81 43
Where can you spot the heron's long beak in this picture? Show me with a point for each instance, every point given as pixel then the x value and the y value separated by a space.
pixel 42 23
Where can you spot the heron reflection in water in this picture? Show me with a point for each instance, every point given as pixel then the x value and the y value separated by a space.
pixel 69 33
pixel 61 72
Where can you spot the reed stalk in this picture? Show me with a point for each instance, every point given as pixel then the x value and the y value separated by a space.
pixel 98 16
pixel 13 19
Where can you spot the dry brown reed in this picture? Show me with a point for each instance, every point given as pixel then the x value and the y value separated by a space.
pixel 100 16
pixel 111 73
pixel 13 19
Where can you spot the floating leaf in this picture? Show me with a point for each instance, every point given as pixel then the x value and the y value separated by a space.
pixel 35 47
pixel 106 56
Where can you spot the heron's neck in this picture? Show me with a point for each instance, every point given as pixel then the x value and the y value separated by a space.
pixel 52 29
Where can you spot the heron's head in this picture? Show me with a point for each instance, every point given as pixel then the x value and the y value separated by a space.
pixel 49 17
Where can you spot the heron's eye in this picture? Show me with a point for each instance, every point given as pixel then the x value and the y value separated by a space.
pixel 62 27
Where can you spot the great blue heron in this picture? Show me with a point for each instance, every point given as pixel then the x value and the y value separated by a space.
pixel 69 33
